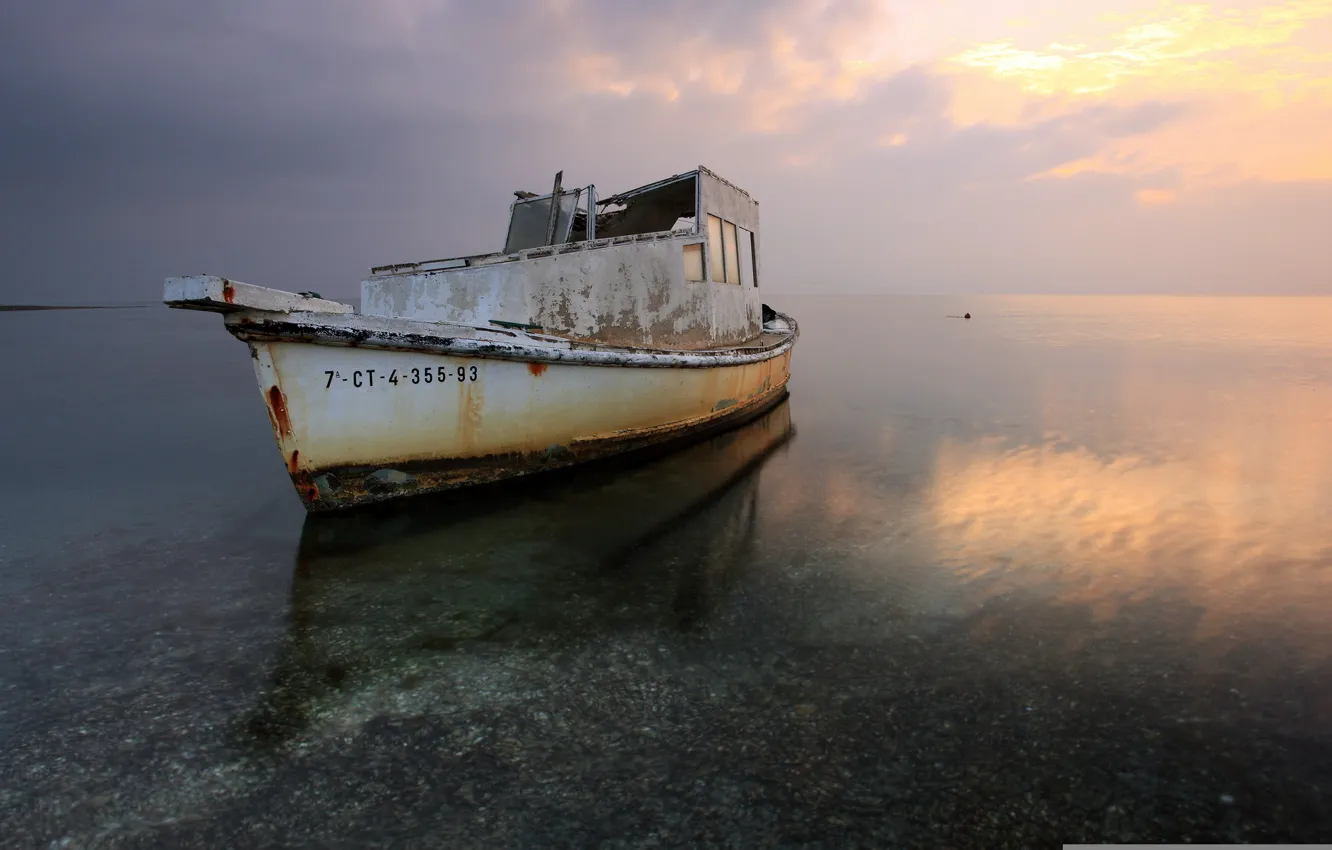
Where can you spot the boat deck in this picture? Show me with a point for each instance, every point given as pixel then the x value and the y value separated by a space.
pixel 360 331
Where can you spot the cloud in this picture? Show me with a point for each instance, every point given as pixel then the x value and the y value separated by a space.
pixel 771 59
pixel 1195 46
pixel 1257 81
pixel 296 144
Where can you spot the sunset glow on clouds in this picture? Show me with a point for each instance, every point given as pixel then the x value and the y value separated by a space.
pixel 1256 81
pixel 1260 88
pixel 977 145
pixel 1157 105
pixel 770 60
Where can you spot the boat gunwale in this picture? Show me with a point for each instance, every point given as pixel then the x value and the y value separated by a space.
pixel 341 330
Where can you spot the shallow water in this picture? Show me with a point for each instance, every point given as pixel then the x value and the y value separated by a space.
pixel 1058 573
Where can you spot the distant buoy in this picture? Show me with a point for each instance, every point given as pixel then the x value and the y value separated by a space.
pixel 967 316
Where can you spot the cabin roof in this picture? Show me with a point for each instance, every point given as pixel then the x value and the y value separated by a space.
pixel 667 181
pixel 645 210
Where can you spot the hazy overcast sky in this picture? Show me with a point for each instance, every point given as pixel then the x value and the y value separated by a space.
pixel 952 146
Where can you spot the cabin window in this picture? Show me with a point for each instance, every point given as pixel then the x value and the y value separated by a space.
pixel 693 261
pixel 715 252
pixel 730 253
pixel 747 258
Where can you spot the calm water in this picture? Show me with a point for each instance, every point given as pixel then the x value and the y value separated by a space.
pixel 1060 573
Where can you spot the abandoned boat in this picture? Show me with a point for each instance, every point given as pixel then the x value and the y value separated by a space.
pixel 605 325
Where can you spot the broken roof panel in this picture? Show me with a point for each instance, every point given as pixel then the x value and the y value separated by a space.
pixel 653 208
pixel 677 181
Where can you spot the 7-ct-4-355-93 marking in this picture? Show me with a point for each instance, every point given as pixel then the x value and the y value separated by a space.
pixel 415 376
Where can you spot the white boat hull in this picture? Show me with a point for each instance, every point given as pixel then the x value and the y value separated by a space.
pixel 358 424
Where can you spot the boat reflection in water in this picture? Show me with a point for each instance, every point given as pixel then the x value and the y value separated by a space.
pixel 427 606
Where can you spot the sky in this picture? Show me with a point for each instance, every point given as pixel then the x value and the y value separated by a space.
pixel 960 146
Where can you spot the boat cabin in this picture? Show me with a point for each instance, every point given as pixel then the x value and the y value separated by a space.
pixel 671 265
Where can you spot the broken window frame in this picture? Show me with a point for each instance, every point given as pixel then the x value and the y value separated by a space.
pixel 564 223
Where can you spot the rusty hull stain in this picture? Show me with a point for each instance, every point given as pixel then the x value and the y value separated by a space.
pixel 344 487
pixel 537 369
pixel 305 486
pixel 228 292
pixel 470 407
pixel 277 406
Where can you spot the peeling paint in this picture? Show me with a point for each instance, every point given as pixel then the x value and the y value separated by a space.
pixel 400 335
pixel 627 291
